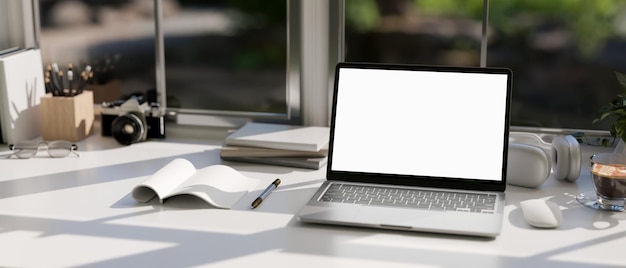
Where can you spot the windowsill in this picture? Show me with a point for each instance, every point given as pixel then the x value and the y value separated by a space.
pixel 174 130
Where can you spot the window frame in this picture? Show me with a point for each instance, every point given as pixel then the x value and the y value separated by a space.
pixel 222 118
pixel 22 20
pixel 307 103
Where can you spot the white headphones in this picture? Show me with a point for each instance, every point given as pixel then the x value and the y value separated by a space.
pixel 532 160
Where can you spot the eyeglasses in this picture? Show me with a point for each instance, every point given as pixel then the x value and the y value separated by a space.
pixel 56 149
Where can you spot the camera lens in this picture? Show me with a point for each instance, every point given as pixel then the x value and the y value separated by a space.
pixel 128 128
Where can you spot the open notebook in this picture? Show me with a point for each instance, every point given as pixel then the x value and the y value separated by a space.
pixel 410 130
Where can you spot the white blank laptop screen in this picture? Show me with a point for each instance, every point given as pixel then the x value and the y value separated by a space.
pixel 423 123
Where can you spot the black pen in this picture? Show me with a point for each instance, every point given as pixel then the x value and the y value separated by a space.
pixel 62 82
pixel 54 79
pixel 265 193
pixel 84 78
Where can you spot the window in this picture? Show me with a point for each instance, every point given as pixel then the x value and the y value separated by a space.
pixel 414 32
pixel 117 38
pixel 227 57
pixel 221 57
pixel 563 53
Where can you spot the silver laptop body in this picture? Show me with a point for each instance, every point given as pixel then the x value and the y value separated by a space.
pixel 416 130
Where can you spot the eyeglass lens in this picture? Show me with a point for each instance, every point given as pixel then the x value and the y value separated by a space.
pixel 25 149
pixel 59 148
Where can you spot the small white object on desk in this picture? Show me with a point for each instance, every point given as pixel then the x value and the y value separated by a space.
pixel 541 213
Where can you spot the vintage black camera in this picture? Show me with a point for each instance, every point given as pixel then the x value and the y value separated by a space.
pixel 132 120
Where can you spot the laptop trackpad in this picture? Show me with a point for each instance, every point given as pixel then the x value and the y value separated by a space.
pixel 393 216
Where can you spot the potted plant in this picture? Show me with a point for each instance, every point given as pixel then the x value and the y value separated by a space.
pixel 616 112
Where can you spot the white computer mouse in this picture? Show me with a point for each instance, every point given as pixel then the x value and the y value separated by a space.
pixel 541 213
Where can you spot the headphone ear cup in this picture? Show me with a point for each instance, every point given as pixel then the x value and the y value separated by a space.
pixel 527 165
pixel 566 158
pixel 575 158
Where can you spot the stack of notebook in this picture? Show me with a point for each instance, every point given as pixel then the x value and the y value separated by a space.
pixel 276 144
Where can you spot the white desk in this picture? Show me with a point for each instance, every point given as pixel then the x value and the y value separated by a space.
pixel 79 212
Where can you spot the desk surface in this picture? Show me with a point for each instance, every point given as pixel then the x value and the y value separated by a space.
pixel 79 212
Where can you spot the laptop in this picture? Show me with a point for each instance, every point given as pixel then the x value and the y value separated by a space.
pixel 416 148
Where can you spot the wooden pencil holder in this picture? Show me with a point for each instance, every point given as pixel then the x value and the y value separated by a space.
pixel 67 118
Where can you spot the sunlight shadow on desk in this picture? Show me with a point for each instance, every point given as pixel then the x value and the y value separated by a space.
pixel 282 199
pixel 261 168
pixel 184 233
pixel 575 216
pixel 560 254
pixel 295 239
pixel 438 250
pixel 97 142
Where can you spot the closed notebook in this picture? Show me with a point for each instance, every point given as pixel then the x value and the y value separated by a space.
pixel 278 136
pixel 247 151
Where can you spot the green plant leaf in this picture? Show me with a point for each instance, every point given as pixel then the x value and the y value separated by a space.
pixel 605 115
pixel 613 132
pixel 621 79
pixel 616 111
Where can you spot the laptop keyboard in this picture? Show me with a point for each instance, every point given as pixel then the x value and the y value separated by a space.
pixel 401 197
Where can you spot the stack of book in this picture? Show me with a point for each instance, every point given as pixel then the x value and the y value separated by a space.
pixel 276 144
